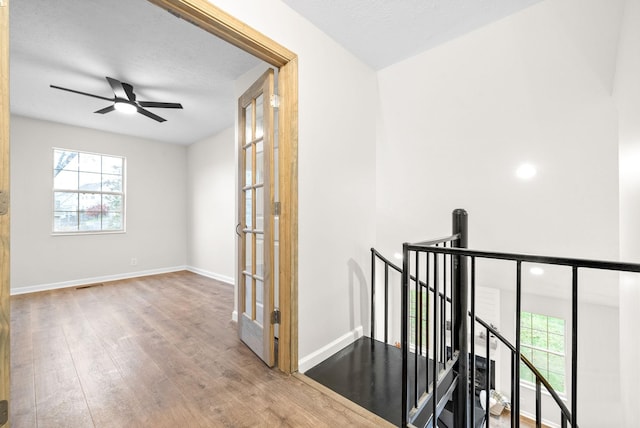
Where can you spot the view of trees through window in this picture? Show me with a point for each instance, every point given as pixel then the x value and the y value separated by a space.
pixel 542 343
pixel 88 192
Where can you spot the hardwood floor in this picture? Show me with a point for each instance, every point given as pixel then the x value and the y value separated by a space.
pixel 158 351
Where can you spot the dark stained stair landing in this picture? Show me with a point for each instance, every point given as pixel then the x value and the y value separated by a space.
pixel 369 373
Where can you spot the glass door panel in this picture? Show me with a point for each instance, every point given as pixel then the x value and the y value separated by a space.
pixel 259 117
pixel 255 202
pixel 260 209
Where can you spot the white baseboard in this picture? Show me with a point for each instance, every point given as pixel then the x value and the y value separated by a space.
pixel 87 281
pixel 316 357
pixel 218 277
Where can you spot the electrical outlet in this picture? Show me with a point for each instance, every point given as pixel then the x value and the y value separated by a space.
pixel 134 261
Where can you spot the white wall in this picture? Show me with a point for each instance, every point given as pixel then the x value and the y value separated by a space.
pixel 211 201
pixel 337 109
pixel 472 110
pixel 627 94
pixel 155 209
pixel 456 121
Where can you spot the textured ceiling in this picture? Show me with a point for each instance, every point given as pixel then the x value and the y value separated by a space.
pixel 76 43
pixel 383 32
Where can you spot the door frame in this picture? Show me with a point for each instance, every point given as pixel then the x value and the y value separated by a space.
pixel 219 23
pixel 4 203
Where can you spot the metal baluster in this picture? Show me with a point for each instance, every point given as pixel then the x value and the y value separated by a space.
pixel 443 302
pixel 436 296
pixel 472 358
pixel 574 348
pixel 418 312
pixel 426 329
pixel 487 381
pixel 373 295
pixel 415 337
pixel 386 303
pixel 405 333
pixel 538 404
pixel 514 381
pixel 515 398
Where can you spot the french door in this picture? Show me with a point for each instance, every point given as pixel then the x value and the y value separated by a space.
pixel 256 222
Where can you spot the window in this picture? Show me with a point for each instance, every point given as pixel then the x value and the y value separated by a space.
pixel 413 313
pixel 542 343
pixel 88 192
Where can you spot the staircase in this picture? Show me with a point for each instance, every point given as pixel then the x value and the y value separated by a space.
pixel 438 318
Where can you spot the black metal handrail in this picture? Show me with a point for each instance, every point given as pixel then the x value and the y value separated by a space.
pixel 490 331
pixel 460 256
pixel 575 264
pixel 533 258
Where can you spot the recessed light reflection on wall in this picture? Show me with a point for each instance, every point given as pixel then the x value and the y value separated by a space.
pixel 526 171
pixel 536 270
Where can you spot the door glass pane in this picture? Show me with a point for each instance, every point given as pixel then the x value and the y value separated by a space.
pixel 260 208
pixel 248 211
pixel 248 168
pixel 247 126
pixel 259 116
pixel 274 180
pixel 248 287
pixel 248 237
pixel 259 301
pixel 259 163
pixel 259 255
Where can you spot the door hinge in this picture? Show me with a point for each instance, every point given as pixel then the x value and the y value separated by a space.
pixel 276 208
pixel 275 101
pixel 4 412
pixel 275 317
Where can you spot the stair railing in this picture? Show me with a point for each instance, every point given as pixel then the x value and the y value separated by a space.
pixel 445 263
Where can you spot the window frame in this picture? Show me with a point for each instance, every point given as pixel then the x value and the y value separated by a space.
pixel 122 193
pixel 548 351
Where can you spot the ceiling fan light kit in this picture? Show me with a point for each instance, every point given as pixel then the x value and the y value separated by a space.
pixel 125 107
pixel 124 100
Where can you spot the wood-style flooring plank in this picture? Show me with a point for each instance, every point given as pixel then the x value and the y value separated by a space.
pixel 157 351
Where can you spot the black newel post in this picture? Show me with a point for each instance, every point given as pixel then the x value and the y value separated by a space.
pixel 459 329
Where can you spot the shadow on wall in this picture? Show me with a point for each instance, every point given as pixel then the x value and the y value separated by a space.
pixel 359 307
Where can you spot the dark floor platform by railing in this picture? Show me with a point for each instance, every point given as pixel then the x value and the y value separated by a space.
pixel 369 373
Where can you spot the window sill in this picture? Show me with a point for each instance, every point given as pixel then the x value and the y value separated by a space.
pixel 543 390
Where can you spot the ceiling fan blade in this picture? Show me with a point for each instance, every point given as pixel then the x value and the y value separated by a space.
pixel 154 104
pixel 128 89
pixel 151 115
pixel 106 109
pixel 118 88
pixel 81 93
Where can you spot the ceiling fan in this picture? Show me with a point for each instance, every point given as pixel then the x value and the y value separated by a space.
pixel 124 100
